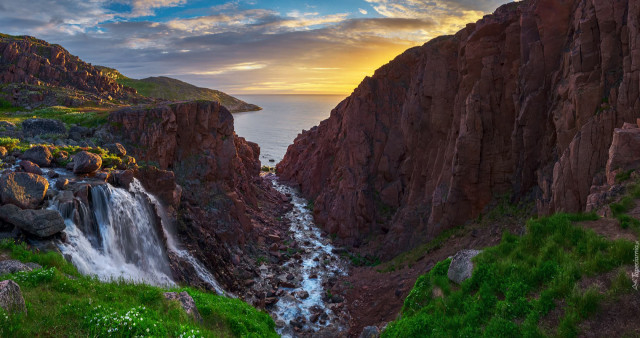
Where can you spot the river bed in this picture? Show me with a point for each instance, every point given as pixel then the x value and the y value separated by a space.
pixel 305 307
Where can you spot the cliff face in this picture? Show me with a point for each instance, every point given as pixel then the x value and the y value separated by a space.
pixel 31 61
pixel 522 102
pixel 217 170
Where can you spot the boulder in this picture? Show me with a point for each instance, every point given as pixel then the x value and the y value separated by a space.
pixel 116 149
pixel 370 332
pixel 41 222
pixel 186 302
pixel 62 183
pixel 78 133
pixel 11 299
pixel 30 167
pixel 25 190
pixel 86 163
pixel 39 155
pixel 122 178
pixel 34 127
pixel 461 266
pixel 7 126
pixel 13 266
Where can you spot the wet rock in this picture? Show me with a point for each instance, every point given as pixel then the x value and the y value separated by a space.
pixel 53 174
pixel 26 190
pixel 39 155
pixel 116 149
pixel 461 266
pixel 41 222
pixel 302 294
pixel 280 323
pixel 122 178
pixel 370 332
pixel 186 302
pixel 11 299
pixel 85 162
pixel 62 183
pixel 35 127
pixel 30 167
pixel 13 266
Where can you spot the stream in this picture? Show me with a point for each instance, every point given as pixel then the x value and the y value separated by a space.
pixel 304 307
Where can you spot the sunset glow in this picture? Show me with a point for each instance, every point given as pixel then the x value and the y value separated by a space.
pixel 241 47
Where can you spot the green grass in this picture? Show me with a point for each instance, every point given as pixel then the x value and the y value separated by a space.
pixel 86 307
pixel 623 176
pixel 502 210
pixel 626 203
pixel 516 284
pixel 69 116
pixel 9 142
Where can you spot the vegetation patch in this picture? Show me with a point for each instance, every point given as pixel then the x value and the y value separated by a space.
pixel 515 284
pixel 81 116
pixel 62 303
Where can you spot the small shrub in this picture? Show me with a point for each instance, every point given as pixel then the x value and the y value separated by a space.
pixel 9 142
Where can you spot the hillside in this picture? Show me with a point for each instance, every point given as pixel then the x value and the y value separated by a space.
pixel 175 90
pixel 36 73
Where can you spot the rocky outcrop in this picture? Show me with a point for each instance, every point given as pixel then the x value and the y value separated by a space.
pixel 461 267
pixel 24 190
pixel 25 59
pixel 40 222
pixel 11 299
pixel 196 140
pixel 186 302
pixel 522 102
pixel 216 170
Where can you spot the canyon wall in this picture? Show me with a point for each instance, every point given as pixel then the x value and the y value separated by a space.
pixel 523 102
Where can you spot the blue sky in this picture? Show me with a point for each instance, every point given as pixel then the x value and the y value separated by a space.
pixel 243 46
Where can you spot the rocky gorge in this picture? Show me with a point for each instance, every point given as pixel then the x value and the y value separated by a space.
pixel 424 188
pixel 523 102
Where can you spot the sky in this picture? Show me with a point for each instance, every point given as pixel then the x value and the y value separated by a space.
pixel 243 46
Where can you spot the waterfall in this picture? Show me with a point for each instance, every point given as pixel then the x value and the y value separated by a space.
pixel 117 237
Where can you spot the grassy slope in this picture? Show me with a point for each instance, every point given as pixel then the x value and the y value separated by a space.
pixel 176 90
pixel 63 303
pixel 517 283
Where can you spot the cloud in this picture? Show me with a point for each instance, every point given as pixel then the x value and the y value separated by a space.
pixel 236 48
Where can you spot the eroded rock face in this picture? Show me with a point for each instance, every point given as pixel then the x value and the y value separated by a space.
pixel 29 60
pixel 214 186
pixel 25 190
pixel 522 102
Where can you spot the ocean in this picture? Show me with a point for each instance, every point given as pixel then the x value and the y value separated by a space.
pixel 280 121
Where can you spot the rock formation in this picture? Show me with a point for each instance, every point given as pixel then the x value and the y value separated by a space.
pixel 216 171
pixel 31 61
pixel 522 102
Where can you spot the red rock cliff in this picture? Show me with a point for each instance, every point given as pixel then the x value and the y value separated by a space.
pixel 24 59
pixel 522 102
pixel 217 170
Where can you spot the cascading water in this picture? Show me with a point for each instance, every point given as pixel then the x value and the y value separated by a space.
pixel 118 237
